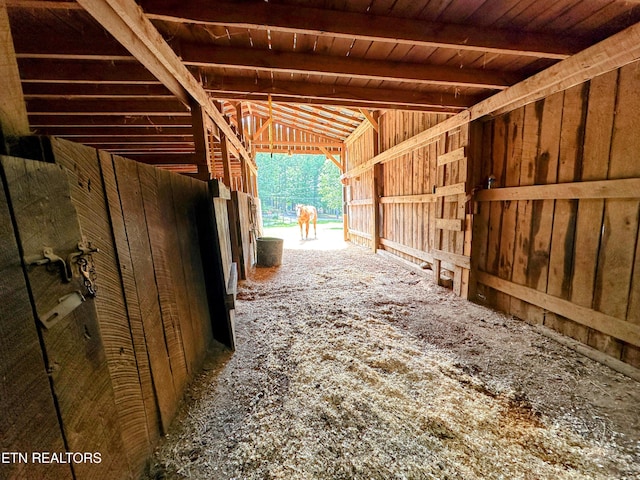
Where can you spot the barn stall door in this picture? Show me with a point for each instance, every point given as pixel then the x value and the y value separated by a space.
pixel 60 276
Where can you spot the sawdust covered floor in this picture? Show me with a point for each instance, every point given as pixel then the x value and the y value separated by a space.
pixel 351 367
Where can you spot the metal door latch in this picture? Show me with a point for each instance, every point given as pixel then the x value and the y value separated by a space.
pixel 82 258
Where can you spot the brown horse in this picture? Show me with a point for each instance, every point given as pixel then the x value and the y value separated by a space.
pixel 306 214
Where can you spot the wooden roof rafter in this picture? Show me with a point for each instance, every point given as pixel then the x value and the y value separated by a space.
pixel 292 121
pixel 312 116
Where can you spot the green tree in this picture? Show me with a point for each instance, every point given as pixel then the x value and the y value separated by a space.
pixel 329 187
pixel 284 180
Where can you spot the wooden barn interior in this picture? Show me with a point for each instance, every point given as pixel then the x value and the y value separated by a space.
pixel 493 142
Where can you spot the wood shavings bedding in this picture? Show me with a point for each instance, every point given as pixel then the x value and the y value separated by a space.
pixel 327 383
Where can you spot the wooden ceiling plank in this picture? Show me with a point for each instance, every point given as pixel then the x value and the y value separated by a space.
pixel 207 55
pixel 351 25
pixel 93 90
pixel 313 118
pixel 323 119
pixel 94 72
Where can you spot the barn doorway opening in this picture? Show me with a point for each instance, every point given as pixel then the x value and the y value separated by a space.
pixel 289 180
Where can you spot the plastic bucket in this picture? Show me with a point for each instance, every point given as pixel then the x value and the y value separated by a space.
pixel 269 251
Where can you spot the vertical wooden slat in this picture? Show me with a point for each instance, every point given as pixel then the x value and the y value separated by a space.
pixel 187 194
pixel 131 299
pixel 546 173
pixel 564 219
pixel 620 229
pixel 137 234
pixel 530 143
pixel 510 209
pixel 226 161
pixel 204 161
pixel 595 164
pixel 156 220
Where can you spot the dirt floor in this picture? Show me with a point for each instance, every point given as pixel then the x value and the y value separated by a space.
pixel 349 366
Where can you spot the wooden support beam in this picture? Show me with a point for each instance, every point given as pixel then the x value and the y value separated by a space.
pixel 128 24
pixel 620 329
pixel 226 161
pixel 330 156
pixel 372 121
pixel 13 112
pixel 332 94
pixel 260 131
pixel 614 52
pixel 107 14
pixel 364 26
pixel 624 188
pixel 201 139
pixel 208 55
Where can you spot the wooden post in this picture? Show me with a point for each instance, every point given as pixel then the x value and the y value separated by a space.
pixel 226 160
pixel 13 111
pixel 376 187
pixel 201 140
pixel 345 215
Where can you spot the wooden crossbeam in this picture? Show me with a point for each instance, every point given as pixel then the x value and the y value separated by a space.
pixel 242 88
pixel 207 55
pixel 362 26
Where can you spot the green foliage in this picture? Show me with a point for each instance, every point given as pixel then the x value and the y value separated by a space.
pixel 284 181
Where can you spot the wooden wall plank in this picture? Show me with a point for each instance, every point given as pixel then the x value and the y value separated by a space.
pixel 595 164
pixel 498 160
pixel 510 209
pixel 137 234
pixel 522 251
pixel 130 292
pixel 161 249
pixel 45 217
pixel 88 196
pixel 546 174
pixel 627 188
pixel 24 385
pixel 187 193
pixel 178 281
pixel 13 109
pixel 619 239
